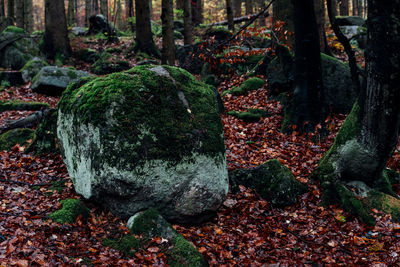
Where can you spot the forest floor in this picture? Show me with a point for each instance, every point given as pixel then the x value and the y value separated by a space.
pixel 247 231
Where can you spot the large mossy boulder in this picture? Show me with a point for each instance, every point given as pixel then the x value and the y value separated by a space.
pixel 339 92
pixel 32 68
pixel 53 80
pixel 148 137
pixel 17 48
pixel 272 181
pixel 16 136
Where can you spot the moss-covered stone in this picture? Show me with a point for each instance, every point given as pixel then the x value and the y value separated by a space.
pixel 107 64
pixel 15 136
pixel 219 33
pixel 385 203
pixel 180 252
pixel 71 209
pixel 273 181
pixel 127 244
pixel 19 105
pixel 14 29
pixel 45 140
pixel 141 125
pixel 248 85
pixel 32 67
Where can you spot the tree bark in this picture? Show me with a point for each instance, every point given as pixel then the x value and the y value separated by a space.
pixel 104 7
pixel 118 14
pixel 355 8
pixel 319 6
pixel 237 8
pixel 200 11
pixel 344 7
pixel 144 37
pixel 130 11
pixel 19 14
pixel 167 17
pixel 305 108
pixel 95 7
pixel 56 33
pixel 261 6
pixel 88 12
pixel 187 21
pixel 283 10
pixel 10 9
pixel 229 13
pixel 249 7
pixel 2 9
pixel 71 13
pixel 28 16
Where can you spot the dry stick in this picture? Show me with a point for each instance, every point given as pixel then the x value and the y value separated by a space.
pixel 354 70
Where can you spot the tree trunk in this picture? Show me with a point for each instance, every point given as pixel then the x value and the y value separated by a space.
pixel 144 37
pixel 355 8
pixel 88 12
pixel 306 106
pixel 56 40
pixel 237 8
pixel 118 14
pixel 167 17
pixel 261 20
pixel 229 13
pixel 200 11
pixel 334 8
pixel 10 9
pixel 344 8
pixel 130 11
pixel 2 9
pixel 320 16
pixel 187 21
pixel 19 14
pixel 71 13
pixel 249 7
pixel 104 7
pixel 28 16
pixel 95 7
pixel 283 10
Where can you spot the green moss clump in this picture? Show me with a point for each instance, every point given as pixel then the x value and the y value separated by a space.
pixel 19 105
pixel 71 209
pixel 251 115
pixel 107 64
pixel 137 95
pixel 15 136
pixel 248 85
pixel 72 74
pixel 146 223
pixel 14 29
pixel 385 203
pixel 183 253
pixel 127 244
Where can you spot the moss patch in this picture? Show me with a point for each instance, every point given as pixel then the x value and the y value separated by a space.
pixel 19 105
pixel 385 203
pixel 251 115
pixel 14 29
pixel 127 244
pixel 15 136
pixel 142 98
pixel 183 253
pixel 108 63
pixel 248 85
pixel 71 209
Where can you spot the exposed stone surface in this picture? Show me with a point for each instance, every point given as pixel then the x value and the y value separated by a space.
pixel 32 68
pixel 148 137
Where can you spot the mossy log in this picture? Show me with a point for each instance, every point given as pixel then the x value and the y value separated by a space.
pixel 19 105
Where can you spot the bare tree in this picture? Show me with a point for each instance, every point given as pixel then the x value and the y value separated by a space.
pixel 187 21
pixel 167 17
pixel 229 13
pixel 104 7
pixel 144 37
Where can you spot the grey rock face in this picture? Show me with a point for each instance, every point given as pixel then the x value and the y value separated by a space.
pixel 130 142
pixel 32 67
pixel 54 80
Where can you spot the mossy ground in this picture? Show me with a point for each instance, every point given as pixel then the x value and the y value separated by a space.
pixel 142 98
pixel 15 136
pixel 127 244
pixel 248 85
pixel 71 209
pixel 251 115
pixel 14 29
pixel 19 105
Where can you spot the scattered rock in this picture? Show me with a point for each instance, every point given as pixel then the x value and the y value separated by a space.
pixel 148 137
pixel 273 181
pixel 108 63
pixel 247 86
pixel 15 136
pixel 53 80
pixel 79 31
pixel 71 209
pixel 32 68
pixel 88 55
pixel 100 24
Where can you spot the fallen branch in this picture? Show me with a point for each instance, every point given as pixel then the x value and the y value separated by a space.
pixel 27 122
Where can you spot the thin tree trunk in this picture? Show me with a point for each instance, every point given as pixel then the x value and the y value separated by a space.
pixel 187 21
pixel 261 6
pixel 283 10
pixel 229 13
pixel 355 7
pixel 344 8
pixel 319 6
pixel 130 11
pixel 237 8
pixel 179 4
pixel 88 12
pixel 200 11
pixel 167 17
pixel 95 7
pixel 104 7
pixel 118 14
pixel 19 14
pixel 2 9
pixel 144 37
pixel 56 34
pixel 10 9
pixel 28 16
pixel 71 13
pixel 306 106
pixel 249 7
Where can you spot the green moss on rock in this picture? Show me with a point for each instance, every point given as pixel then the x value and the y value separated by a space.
pixel 251 115
pixel 19 105
pixel 108 63
pixel 248 85
pixel 71 209
pixel 385 203
pixel 15 136
pixel 127 244
pixel 183 253
pixel 273 181
pixel 14 29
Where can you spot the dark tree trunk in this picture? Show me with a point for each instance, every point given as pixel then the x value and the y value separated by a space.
pixel 88 12
pixel 118 14
pixel 144 36
pixel 2 9
pixel 167 17
pixel 249 7
pixel 197 11
pixel 319 6
pixel 306 106
pixel 355 8
pixel 261 6
pixel 200 11
pixel 28 16
pixel 229 13
pixel 19 14
pixel 283 10
pixel 71 13
pixel 56 40
pixel 130 11
pixel 344 8
pixel 380 102
pixel 187 20
pixel 95 7
pixel 10 9
pixel 237 8
pixel 104 7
